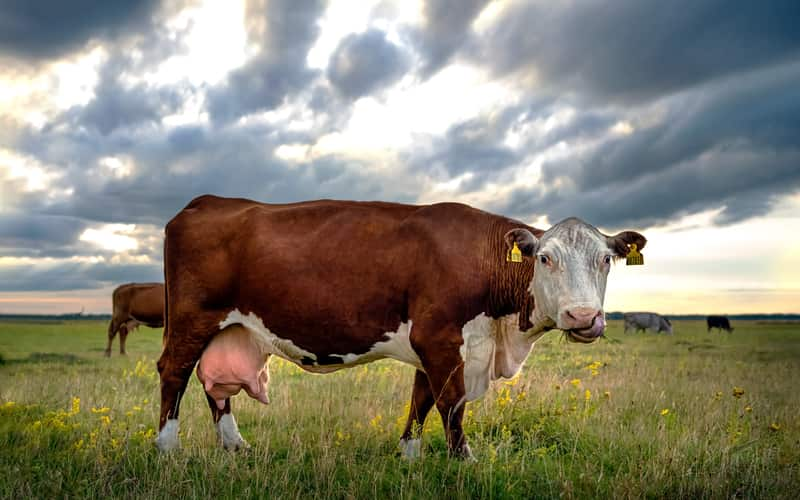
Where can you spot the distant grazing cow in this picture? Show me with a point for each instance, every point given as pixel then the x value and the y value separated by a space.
pixel 135 304
pixel 720 322
pixel 333 284
pixel 640 321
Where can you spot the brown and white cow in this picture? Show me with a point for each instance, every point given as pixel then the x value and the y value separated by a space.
pixel 333 284
pixel 135 304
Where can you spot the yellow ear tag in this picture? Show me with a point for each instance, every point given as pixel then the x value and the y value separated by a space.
pixel 634 258
pixel 514 254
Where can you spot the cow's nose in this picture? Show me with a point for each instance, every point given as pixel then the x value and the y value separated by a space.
pixel 580 317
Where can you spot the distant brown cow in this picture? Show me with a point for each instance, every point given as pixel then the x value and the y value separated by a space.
pixel 135 304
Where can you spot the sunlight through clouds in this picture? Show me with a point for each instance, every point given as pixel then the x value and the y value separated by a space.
pixel 114 237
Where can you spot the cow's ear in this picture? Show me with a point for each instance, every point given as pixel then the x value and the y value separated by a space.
pixel 525 240
pixel 620 242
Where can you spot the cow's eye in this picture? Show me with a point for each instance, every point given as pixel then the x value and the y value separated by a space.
pixel 607 259
pixel 544 259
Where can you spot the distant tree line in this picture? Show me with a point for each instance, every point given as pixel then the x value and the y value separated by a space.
pixel 611 315
pixel 54 317
pixel 742 317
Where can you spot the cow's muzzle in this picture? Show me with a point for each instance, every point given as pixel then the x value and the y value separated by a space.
pixel 586 334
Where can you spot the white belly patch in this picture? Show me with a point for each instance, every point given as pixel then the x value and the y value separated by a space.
pixel 492 349
pixel 397 346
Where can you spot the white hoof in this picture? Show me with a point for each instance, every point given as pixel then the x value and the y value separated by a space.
pixel 228 433
pixel 411 449
pixel 466 454
pixel 167 439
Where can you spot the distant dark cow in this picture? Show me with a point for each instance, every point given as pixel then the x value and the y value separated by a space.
pixel 720 322
pixel 135 304
pixel 640 321
pixel 327 285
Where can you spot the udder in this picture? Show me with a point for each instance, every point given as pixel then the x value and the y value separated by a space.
pixel 232 362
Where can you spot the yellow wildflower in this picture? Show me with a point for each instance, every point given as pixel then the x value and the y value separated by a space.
pixel 774 426
pixel 137 408
pixel 8 405
pixel 76 405
pixel 738 392
pixel 376 422
pixel 607 395
pixel 587 395
pixel 104 409
pixel 665 412
pixel 748 409
pixel 575 382
pixel 105 420
pixel 504 397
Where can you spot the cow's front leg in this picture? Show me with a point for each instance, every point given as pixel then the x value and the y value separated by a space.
pixel 444 366
pixel 421 403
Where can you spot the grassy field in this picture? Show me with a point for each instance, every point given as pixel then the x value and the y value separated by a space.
pixel 693 415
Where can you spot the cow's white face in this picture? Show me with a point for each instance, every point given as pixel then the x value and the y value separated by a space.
pixel 572 261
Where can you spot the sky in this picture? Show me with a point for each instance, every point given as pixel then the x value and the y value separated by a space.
pixel 677 119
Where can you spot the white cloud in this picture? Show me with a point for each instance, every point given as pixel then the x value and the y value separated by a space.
pixel 114 237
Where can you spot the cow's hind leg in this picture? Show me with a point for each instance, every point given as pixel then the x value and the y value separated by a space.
pixel 225 424
pixel 123 336
pixel 184 341
pixel 421 403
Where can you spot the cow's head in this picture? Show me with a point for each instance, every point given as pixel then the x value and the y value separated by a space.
pixel 665 326
pixel 572 260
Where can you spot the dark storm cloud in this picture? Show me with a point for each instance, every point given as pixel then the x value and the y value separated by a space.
pixel 731 144
pixel 25 231
pixel 284 31
pixel 365 63
pixel 632 50
pixel 117 105
pixel 445 30
pixel 42 29
pixel 760 112
pixel 474 146
pixel 746 185
pixel 74 275
pixel 479 145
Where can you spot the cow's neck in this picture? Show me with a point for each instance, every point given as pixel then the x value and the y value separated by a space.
pixel 509 281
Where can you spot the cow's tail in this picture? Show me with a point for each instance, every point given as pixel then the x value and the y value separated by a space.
pixel 166 292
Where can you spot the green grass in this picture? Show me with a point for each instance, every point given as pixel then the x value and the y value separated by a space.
pixel 334 436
